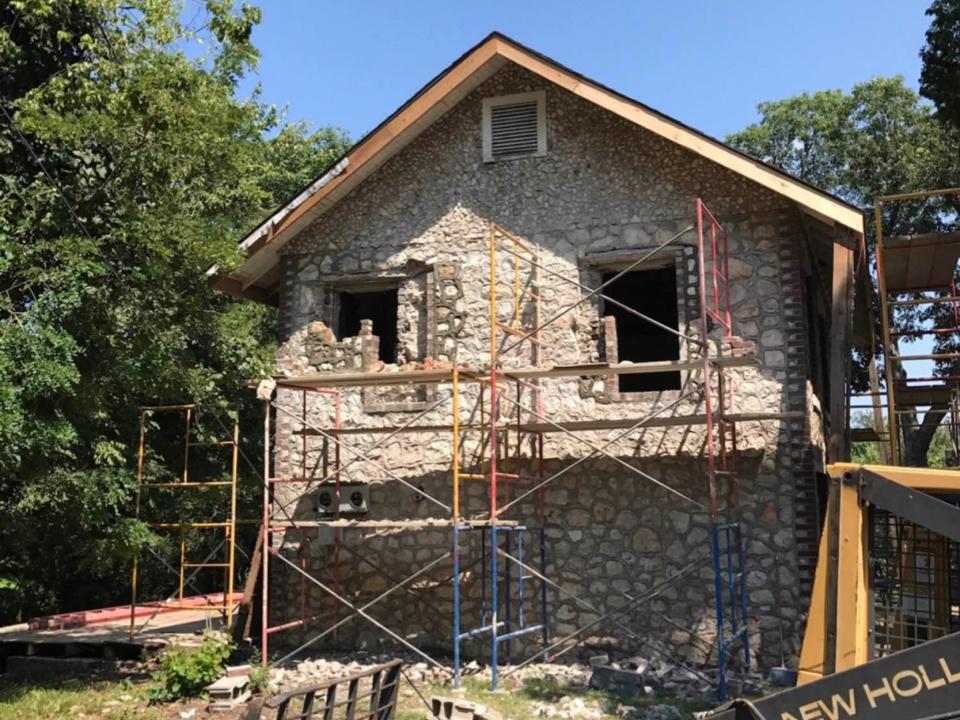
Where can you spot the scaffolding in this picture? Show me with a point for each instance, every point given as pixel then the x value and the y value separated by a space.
pixel 913 579
pixel 186 568
pixel 511 426
pixel 913 271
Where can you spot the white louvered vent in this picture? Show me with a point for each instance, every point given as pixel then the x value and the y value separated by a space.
pixel 514 126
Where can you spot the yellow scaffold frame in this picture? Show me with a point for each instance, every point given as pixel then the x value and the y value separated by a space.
pixel 228 525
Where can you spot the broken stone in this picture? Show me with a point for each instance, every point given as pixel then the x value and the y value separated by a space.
pixel 663 712
pixel 617 679
pixel 599 660
pixel 320 331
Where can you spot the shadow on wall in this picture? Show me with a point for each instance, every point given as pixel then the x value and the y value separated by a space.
pixel 610 536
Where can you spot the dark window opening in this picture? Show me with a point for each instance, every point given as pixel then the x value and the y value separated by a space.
pixel 381 308
pixel 653 293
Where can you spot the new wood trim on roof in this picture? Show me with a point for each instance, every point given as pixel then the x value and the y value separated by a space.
pixel 772 178
pixel 450 87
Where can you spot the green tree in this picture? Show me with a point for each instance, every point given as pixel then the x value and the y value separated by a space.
pixel 865 453
pixel 942 452
pixel 879 138
pixel 127 168
pixel 940 75
pixel 293 158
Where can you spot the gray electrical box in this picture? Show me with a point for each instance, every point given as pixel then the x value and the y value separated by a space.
pixel 354 499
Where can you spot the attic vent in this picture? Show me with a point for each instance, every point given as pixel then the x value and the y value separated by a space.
pixel 514 126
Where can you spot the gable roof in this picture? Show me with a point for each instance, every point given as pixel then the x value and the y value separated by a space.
pixel 259 272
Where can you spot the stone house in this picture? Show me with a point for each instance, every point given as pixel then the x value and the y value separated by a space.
pixel 381 266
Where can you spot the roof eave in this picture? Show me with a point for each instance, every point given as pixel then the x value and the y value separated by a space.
pixel 449 87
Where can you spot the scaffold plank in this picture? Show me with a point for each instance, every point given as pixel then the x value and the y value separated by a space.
pixel 467 374
pixel 920 262
pixel 675 421
pixel 412 524
pixel 602 424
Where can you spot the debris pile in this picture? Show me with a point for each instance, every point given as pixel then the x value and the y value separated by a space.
pixel 643 677
pixel 428 363
pixel 647 680
pixel 649 712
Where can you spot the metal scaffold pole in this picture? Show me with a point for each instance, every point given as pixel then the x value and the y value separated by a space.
pixel 726 538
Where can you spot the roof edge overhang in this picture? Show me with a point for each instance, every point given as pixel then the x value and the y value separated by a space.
pixel 259 271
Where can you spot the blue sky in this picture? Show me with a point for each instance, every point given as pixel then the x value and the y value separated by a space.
pixel 350 64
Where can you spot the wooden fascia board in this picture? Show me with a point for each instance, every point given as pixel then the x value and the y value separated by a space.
pixel 231 286
pixel 813 201
pixel 383 137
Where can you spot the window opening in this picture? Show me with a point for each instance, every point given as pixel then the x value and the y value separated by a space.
pixel 381 307
pixel 653 293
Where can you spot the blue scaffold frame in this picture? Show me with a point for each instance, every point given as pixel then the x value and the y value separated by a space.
pixel 729 577
pixel 490 543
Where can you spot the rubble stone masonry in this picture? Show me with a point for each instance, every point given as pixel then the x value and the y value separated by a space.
pixel 604 193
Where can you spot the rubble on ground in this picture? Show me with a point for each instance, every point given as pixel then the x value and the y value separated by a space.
pixel 662 712
pixel 635 677
pixel 641 676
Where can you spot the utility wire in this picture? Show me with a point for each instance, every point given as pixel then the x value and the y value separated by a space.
pixel 30 149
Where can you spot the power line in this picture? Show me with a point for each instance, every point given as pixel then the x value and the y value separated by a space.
pixel 30 149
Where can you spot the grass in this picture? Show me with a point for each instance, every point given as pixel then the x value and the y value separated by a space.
pixel 127 700
pixel 68 699
pixel 522 702
pixel 78 699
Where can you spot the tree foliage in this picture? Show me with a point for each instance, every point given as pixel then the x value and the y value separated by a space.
pixel 128 167
pixel 879 138
pixel 940 76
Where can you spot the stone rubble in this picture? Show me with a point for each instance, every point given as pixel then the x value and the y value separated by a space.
pixel 658 678
pixel 663 712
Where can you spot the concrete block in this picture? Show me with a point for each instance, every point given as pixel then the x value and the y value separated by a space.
pixel 450 708
pixel 229 692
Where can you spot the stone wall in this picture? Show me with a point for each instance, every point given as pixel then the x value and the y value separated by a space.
pixel 606 190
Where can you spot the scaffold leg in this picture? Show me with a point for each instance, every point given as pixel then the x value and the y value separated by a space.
pixel 543 593
pixel 456 607
pixel 723 540
pixel 494 640
pixel 507 589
